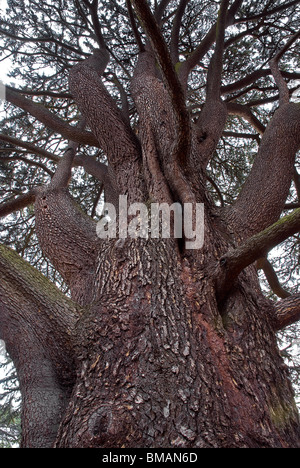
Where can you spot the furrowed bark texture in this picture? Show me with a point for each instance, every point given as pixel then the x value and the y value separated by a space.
pixel 271 175
pixel 68 238
pixel 159 368
pixel 37 322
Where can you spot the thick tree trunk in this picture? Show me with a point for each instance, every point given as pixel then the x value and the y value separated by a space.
pixel 164 347
pixel 158 367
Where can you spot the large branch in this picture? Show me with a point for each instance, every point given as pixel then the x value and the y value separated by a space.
pixel 107 122
pixel 264 194
pixel 17 204
pixel 37 323
pixel 287 312
pixel 68 238
pixel 50 120
pixel 164 176
pixel 213 116
pixel 170 78
pixel 257 246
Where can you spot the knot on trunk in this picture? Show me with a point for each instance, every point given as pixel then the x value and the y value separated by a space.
pixel 108 427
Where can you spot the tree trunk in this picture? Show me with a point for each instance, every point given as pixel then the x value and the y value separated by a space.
pixel 164 347
pixel 159 367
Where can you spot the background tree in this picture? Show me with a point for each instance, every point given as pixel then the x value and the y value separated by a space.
pixel 165 101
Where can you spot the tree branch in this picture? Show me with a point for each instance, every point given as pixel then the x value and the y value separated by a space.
pixel 266 13
pixel 176 30
pixel 32 308
pixel 29 162
pixel 287 312
pixel 212 120
pixel 165 178
pixel 245 112
pixel 17 204
pixel 257 246
pixel 63 171
pixel 107 122
pixel 284 95
pixel 216 66
pixel 30 147
pixel 95 168
pixel 50 120
pixel 93 8
pixel 134 27
pixel 206 44
pixel 253 77
pixel 264 193
pixel 160 10
pixel 271 276
pixel 31 92
pixel 170 78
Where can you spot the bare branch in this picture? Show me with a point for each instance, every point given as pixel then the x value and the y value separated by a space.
pixel 160 10
pixel 245 112
pixel 31 92
pixel 206 44
pixel 265 13
pixel 17 204
pixel 258 246
pixel 212 120
pixel 284 95
pixel 287 312
pixel 106 121
pixel 176 30
pixel 253 77
pixel 50 120
pixel 272 278
pixel 93 8
pixel 30 147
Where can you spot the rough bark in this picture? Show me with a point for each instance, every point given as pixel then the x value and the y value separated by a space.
pixel 37 323
pixel 271 174
pixel 164 347
pixel 154 319
pixel 287 311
